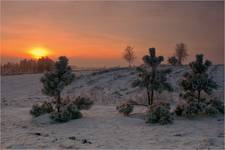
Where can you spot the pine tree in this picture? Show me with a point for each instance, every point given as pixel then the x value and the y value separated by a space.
pixel 55 81
pixel 152 79
pixel 197 81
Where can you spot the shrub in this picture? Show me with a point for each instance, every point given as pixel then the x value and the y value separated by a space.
pixel 47 106
pixel 69 112
pixel 125 108
pixel 40 109
pixel 83 103
pixel 179 110
pixel 211 110
pixel 159 113
pixel 192 108
pixel 173 60
pixel 36 110
pixel 219 105
pixel 70 109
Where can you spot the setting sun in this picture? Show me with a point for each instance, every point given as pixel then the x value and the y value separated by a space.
pixel 38 52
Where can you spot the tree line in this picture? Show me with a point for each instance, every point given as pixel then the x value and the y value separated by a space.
pixel 46 64
pixel 27 66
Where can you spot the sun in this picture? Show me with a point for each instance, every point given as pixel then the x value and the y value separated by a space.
pixel 38 52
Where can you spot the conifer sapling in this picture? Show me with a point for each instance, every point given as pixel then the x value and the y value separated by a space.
pixel 197 81
pixel 55 81
pixel 152 79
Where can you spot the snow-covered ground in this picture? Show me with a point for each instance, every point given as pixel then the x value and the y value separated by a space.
pixel 102 127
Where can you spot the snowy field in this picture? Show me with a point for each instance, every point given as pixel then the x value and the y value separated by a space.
pixel 102 127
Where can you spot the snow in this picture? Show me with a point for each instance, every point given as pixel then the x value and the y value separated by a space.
pixel 102 127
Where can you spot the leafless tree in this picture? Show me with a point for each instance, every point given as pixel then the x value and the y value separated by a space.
pixel 181 52
pixel 129 55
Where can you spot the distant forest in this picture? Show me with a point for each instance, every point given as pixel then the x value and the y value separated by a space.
pixel 27 66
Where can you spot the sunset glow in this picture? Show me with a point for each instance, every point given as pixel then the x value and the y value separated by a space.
pixel 91 38
pixel 38 52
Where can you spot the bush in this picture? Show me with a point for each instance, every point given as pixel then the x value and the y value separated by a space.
pixel 187 109
pixel 36 110
pixel 68 112
pixel 179 110
pixel 192 108
pixel 211 110
pixel 83 103
pixel 219 105
pixel 125 108
pixel 40 109
pixel 70 109
pixel 173 60
pixel 159 113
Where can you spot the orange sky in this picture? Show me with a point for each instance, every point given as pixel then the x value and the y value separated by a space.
pixel 94 34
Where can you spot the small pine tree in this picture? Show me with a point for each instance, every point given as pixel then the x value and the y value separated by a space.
pixel 173 60
pixel 55 81
pixel 152 80
pixel 197 81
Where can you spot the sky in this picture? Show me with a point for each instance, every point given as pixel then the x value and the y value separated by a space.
pixel 95 34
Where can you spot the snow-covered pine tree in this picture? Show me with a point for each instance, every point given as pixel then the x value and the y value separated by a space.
pixel 197 81
pixel 55 81
pixel 151 78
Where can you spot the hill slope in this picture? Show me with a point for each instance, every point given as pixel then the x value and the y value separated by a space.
pixel 102 127
pixel 104 87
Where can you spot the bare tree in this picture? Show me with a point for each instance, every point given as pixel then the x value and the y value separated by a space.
pixel 181 52
pixel 129 55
